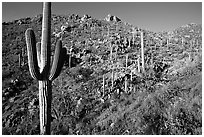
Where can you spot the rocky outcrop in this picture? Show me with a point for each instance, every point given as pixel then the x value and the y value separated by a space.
pixel 85 17
pixel 112 18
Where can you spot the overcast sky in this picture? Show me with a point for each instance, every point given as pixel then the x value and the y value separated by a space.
pixel 152 16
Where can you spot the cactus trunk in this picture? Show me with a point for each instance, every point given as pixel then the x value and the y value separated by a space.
pixel 45 98
pixel 45 85
pixel 46 41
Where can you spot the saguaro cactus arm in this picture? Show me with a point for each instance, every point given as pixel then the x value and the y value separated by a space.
pixel 32 54
pixel 58 61
pixel 38 46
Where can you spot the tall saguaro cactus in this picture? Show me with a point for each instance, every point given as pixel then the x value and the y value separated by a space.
pixel 39 59
pixel 142 52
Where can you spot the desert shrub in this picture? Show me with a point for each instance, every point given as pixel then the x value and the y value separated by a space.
pixel 81 73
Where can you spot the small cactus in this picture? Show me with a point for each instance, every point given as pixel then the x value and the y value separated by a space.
pixel 182 41
pixel 111 52
pixel 39 58
pixel 103 84
pixel 23 56
pixel 112 79
pixel 129 42
pixel 19 59
pixel 108 32
pixel 126 83
pixel 131 79
pixel 126 62
pixel 138 64
pixel 167 43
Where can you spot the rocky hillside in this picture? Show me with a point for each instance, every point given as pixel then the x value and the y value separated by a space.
pixel 166 99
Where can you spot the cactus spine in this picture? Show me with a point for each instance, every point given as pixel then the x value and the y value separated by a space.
pixel 39 57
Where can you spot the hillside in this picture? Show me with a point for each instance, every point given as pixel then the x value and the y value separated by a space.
pixel 166 99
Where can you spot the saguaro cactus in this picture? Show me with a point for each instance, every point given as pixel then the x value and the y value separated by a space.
pixel 39 59
pixel 126 62
pixel 19 59
pixel 138 64
pixel 129 42
pixel 131 79
pixel 70 57
pixel 167 43
pixel 111 52
pixel 142 52
pixel 182 41
pixel 126 84
pixel 112 79
pixel 103 84
pixel 133 36
pixel 23 56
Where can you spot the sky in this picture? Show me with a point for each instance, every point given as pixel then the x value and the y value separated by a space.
pixel 153 16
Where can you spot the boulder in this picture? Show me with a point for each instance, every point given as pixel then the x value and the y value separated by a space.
pixel 112 18
pixel 66 28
